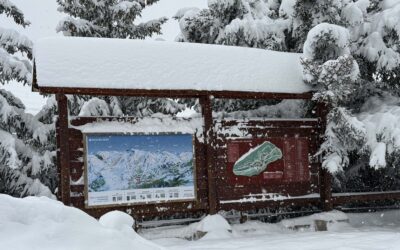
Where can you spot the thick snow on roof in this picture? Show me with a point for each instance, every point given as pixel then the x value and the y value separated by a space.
pixel 136 64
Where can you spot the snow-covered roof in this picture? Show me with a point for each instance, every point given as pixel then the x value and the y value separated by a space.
pixel 156 65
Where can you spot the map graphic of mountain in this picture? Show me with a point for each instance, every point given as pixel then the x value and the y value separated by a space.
pixel 131 169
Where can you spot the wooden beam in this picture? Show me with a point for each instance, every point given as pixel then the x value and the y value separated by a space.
pixel 247 206
pixel 183 93
pixel 63 147
pixel 340 199
pixel 326 190
pixel 206 109
pixel 322 111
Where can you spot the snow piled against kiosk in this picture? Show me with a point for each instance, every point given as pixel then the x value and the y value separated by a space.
pixel 45 224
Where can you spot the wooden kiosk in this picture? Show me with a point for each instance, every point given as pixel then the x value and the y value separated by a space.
pixel 111 67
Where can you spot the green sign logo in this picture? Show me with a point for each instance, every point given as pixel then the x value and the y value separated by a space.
pixel 256 160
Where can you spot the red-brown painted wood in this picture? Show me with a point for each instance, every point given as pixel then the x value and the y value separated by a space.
pixel 167 93
pixel 63 159
pixel 206 109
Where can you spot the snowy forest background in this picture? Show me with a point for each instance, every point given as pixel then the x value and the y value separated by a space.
pixel 350 54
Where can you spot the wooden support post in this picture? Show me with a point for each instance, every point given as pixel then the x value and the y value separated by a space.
pixel 63 147
pixel 326 190
pixel 325 180
pixel 206 109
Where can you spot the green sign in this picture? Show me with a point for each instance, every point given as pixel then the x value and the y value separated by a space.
pixel 256 160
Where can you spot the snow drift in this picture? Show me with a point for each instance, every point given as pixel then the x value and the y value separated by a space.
pixel 41 223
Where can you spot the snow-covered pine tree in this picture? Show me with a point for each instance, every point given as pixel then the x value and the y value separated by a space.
pixel 362 124
pixel 308 13
pixel 46 145
pixel 329 66
pixel 113 19
pixel 25 163
pixel 15 49
pixel 107 18
pixel 246 23
pixel 378 45
pixel 22 165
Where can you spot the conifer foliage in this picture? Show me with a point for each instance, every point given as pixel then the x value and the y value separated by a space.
pixel 107 18
pixel 112 19
pixel 26 162
pixel 15 49
pixel 351 56
pixel 247 23
pixel 354 66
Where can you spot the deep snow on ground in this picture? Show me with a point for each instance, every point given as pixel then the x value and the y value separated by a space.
pixel 378 230
pixel 45 224
pixel 299 241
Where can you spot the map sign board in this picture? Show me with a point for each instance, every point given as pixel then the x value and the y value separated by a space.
pixel 133 169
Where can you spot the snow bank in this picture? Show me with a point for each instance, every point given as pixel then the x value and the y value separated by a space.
pixel 117 220
pixel 213 223
pixel 330 217
pixel 42 223
pixel 215 226
pixel 366 231
pixel 136 64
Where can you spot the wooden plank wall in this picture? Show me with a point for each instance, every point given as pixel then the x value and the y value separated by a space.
pixel 229 190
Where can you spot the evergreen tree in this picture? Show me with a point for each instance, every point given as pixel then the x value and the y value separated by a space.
pixel 328 65
pixel 47 117
pixel 22 164
pixel 308 13
pixel 112 19
pixel 15 49
pixel 26 166
pixel 355 67
pixel 378 45
pixel 107 18
pixel 351 56
pixel 246 23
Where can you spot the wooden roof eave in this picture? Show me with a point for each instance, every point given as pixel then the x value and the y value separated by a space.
pixel 182 93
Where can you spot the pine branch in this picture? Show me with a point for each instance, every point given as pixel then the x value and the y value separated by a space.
pixel 79 27
pixel 13 42
pixel 149 28
pixel 10 10
pixel 13 68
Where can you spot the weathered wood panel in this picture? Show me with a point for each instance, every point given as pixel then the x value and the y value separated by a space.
pixel 296 174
